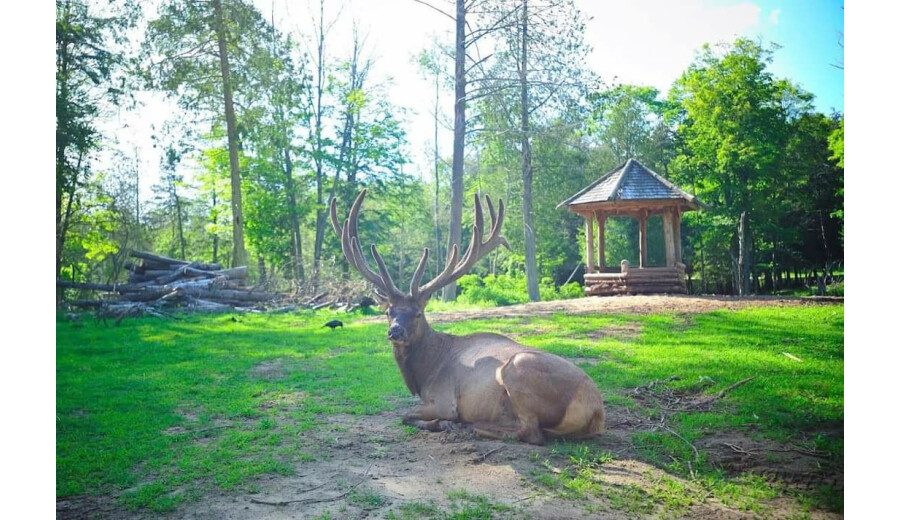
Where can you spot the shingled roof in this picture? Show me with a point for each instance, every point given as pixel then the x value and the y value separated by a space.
pixel 630 182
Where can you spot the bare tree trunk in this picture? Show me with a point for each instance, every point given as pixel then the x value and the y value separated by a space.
pixel 296 240
pixel 261 263
pixel 438 257
pixel 459 139
pixel 179 220
pixel 743 264
pixel 239 255
pixel 317 148
pixel 214 219
pixel 531 274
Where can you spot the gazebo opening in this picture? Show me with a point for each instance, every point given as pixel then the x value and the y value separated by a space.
pixel 652 263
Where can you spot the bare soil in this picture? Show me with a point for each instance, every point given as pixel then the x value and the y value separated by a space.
pixel 638 304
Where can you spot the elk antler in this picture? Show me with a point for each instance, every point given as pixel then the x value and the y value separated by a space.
pixel 349 234
pixel 477 249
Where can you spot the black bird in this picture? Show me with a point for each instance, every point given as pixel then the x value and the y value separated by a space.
pixel 333 324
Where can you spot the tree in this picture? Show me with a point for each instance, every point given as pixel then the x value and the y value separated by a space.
pixel 196 52
pixel 467 33
pixel 430 65
pixel 628 120
pixel 90 62
pixel 541 48
pixel 734 127
pixel 280 110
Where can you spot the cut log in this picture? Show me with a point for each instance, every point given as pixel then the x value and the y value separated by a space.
pixel 172 262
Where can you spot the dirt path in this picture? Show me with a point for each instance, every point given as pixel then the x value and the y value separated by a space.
pixel 642 304
pixel 390 469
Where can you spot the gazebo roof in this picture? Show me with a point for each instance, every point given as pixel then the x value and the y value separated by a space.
pixel 631 182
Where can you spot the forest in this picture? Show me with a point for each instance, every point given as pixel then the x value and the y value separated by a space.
pixel 272 124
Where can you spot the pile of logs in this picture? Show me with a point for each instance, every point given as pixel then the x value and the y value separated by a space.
pixel 157 285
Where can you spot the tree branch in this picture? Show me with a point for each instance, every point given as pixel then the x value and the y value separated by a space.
pixel 436 9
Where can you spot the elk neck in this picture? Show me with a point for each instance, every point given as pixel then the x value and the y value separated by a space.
pixel 421 359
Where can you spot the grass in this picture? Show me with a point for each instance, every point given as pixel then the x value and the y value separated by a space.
pixel 158 413
pixel 462 506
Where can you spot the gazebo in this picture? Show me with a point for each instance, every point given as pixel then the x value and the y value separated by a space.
pixel 632 190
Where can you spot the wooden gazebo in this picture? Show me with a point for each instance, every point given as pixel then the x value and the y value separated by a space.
pixel 635 191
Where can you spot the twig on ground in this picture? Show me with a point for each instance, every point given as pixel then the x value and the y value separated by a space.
pixel 484 456
pixel 706 402
pixel 202 430
pixel 651 384
pixel 314 500
pixel 738 449
pixel 742 382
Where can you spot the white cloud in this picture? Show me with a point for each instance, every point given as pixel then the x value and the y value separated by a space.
pixel 773 16
pixel 652 42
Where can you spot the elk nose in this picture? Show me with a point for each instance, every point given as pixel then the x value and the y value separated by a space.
pixel 396 332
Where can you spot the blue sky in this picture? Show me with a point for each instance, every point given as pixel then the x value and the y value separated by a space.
pixel 808 32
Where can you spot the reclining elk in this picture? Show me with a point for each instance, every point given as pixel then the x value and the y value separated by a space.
pixel 487 380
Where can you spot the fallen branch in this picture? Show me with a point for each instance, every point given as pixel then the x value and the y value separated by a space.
pixel 314 500
pixel 721 394
pixel 742 382
pixel 484 456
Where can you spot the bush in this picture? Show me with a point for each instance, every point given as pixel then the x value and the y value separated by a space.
pixel 571 290
pixel 509 290
pixel 835 289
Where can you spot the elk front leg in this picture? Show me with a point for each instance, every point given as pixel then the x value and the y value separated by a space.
pixel 431 417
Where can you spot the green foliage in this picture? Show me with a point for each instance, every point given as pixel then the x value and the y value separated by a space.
pixel 494 290
pixel 731 132
pixel 836 145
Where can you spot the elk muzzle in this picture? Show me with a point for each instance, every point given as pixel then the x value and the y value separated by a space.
pixel 397 332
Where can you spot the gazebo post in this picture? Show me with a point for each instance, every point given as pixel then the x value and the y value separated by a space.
pixel 642 218
pixel 601 240
pixel 669 233
pixel 589 241
pixel 677 225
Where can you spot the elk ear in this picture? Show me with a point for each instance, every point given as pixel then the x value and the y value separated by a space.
pixel 423 300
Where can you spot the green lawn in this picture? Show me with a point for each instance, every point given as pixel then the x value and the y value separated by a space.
pixel 133 400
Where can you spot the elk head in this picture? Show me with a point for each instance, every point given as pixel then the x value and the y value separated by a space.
pixel 406 311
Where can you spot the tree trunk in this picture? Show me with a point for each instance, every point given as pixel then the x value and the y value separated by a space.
pixel 459 139
pixel 179 220
pixel 531 272
pixel 296 240
pixel 239 255
pixel 261 263
pixel 438 257
pixel 214 218
pixel 743 264
pixel 318 152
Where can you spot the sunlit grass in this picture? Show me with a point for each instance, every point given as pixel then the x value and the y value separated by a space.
pixel 162 411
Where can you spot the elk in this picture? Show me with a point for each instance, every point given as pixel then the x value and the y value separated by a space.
pixel 485 380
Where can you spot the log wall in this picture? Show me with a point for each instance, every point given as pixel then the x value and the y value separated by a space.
pixel 649 280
